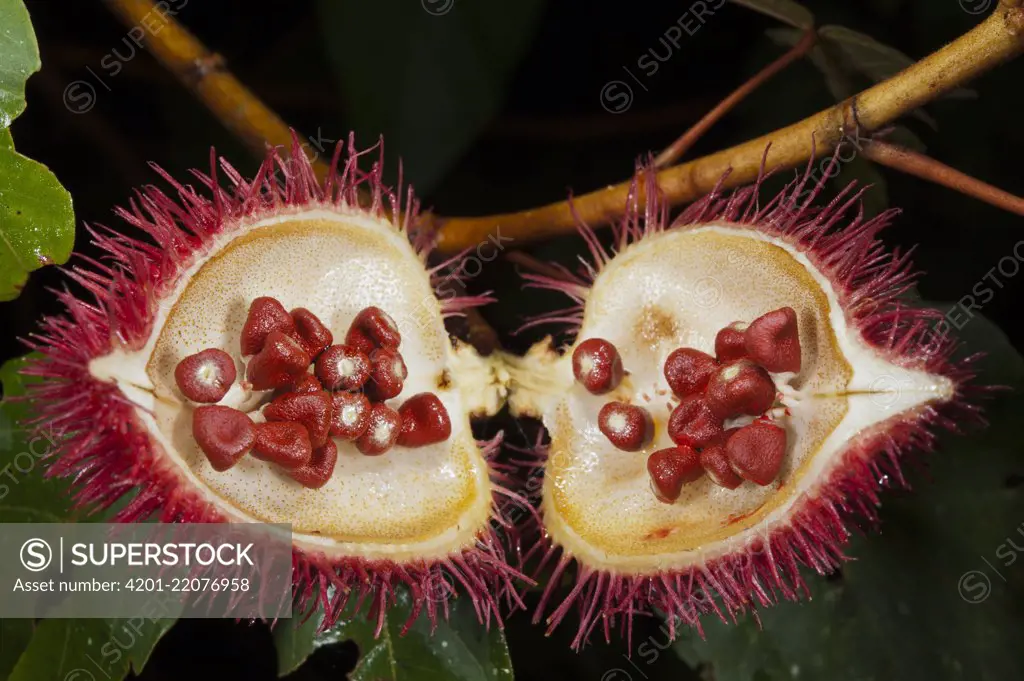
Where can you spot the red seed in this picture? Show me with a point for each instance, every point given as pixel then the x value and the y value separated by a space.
pixel 382 431
pixel 224 434
pixel 424 421
pixel 626 426
pixel 313 411
pixel 373 328
pixel 281 362
pixel 311 332
pixel 597 365
pixel 670 469
pixel 308 383
pixel 730 343
pixel 714 460
pixel 320 468
pixel 741 387
pixel 341 367
pixel 692 422
pixel 284 443
pixel 205 376
pixel 265 315
pixel 351 415
pixel 773 340
pixel 756 451
pixel 387 375
pixel 688 371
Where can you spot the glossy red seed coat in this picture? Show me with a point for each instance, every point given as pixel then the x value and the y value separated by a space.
pixel 224 434
pixel 341 367
pixel 671 468
pixel 308 383
pixel 281 362
pixel 688 371
pixel 350 415
pixel 381 432
pixel 312 410
pixel 320 468
pixel 626 426
pixel 373 328
pixel 284 443
pixel 596 364
pixel 425 421
pixel 740 387
pixel 387 375
pixel 730 342
pixel 692 422
pixel 311 332
pixel 773 340
pixel 756 451
pixel 716 463
pixel 206 376
pixel 266 314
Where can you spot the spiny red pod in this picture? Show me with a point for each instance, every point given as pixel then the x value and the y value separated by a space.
pixel 222 260
pixel 861 378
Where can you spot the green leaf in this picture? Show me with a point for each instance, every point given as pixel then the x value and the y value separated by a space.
pixel 6 141
pixel 94 648
pixel 438 75
pixel 786 11
pixel 458 650
pixel 296 640
pixel 19 58
pixel 37 223
pixel 935 595
pixel 14 638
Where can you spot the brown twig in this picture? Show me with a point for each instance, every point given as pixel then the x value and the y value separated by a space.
pixel 204 73
pixel 241 112
pixel 997 39
pixel 676 150
pixel 927 168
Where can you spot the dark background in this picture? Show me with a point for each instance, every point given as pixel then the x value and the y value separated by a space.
pixel 549 134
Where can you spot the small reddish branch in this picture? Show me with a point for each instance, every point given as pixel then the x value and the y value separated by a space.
pixel 678 148
pixel 204 73
pixel 927 168
pixel 997 39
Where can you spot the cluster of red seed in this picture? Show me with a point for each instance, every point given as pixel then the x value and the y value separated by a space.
pixel 734 383
pixel 342 399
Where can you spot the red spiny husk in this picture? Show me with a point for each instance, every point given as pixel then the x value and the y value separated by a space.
pixel 105 448
pixel 871 284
